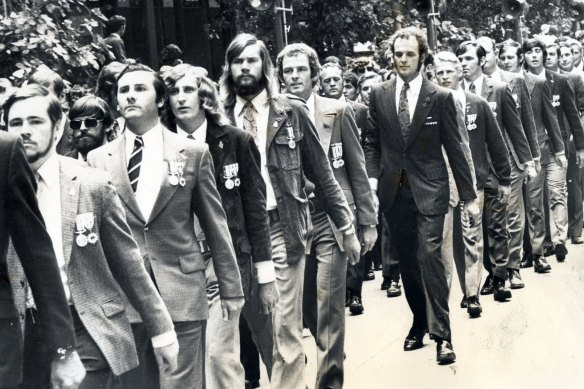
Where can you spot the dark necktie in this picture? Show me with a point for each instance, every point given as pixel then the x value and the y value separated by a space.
pixel 472 88
pixel 249 120
pixel 403 112
pixel 190 136
pixel 135 162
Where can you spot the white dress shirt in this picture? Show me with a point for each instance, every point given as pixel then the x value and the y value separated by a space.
pixel 478 83
pixel 412 93
pixel 152 168
pixel 310 103
pixel 200 134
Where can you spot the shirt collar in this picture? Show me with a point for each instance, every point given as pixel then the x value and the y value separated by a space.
pixel 540 75
pixel 497 75
pixel 151 137
pixel 415 84
pixel 478 83
pixel 202 129
pixel 459 94
pixel 259 102
pixel 49 172
pixel 310 104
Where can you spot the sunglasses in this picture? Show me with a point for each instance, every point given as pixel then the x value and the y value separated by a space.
pixel 76 124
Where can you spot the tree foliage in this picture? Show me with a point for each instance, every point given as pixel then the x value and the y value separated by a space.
pixel 61 34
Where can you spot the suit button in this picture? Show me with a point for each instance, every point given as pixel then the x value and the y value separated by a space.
pixel 146 258
pixel 146 228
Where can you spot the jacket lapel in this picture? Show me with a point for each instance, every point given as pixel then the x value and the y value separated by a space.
pixel 69 185
pixel 530 81
pixel 389 96
pixel 487 88
pixel 216 139
pixel 423 107
pixel 324 120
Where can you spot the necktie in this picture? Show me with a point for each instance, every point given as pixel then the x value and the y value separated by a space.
pixel 135 162
pixel 190 136
pixel 472 88
pixel 249 120
pixel 403 112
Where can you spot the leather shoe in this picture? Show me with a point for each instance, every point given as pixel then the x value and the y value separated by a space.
pixel 385 284
pixel 463 302
pixel 394 289
pixel 548 251
pixel 473 308
pixel 540 264
pixel 370 275
pixel 500 293
pixel 377 266
pixel 515 279
pixel 577 240
pixel 526 261
pixel 414 340
pixel 445 352
pixel 252 384
pixel 561 252
pixel 356 306
pixel 487 286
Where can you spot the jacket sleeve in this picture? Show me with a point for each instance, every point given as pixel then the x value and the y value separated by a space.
pixel 527 118
pixel 550 118
pixel 572 116
pixel 496 145
pixel 512 124
pixel 372 141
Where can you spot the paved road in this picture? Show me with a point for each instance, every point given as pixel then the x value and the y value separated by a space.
pixel 534 341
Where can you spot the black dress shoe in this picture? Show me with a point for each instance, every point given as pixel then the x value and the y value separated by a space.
pixel 394 289
pixel 500 293
pixel 577 240
pixel 548 251
pixel 370 275
pixel 561 252
pixel 463 302
pixel 377 266
pixel 515 279
pixel 414 340
pixel 385 284
pixel 526 261
pixel 474 308
pixel 487 286
pixel 356 306
pixel 252 384
pixel 540 264
pixel 445 352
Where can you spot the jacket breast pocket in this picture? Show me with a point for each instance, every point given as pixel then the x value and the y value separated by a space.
pixel 113 307
pixel 288 151
pixel 191 262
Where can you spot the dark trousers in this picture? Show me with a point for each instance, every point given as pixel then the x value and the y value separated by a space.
pixel 417 239
pixel 249 355
pixel 575 179
pixel 11 355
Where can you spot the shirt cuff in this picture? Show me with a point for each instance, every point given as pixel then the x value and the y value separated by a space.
pixel 265 271
pixel 373 184
pixel 165 339
pixel 560 154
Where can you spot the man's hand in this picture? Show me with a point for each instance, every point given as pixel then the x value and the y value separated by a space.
pixel 471 213
pixel 375 202
pixel 352 247
pixel 561 160
pixel 537 164
pixel 269 297
pixel 367 237
pixel 231 307
pixel 167 358
pixel 67 373
pixel 530 171
pixel 580 157
pixel 504 192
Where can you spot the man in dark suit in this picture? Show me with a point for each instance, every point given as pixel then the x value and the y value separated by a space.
pixel 23 223
pixel 95 252
pixel 115 27
pixel 164 183
pixel 196 114
pixel 290 153
pixel 410 120
pixel 325 273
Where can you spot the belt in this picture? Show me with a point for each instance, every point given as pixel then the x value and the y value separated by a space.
pixel 274 215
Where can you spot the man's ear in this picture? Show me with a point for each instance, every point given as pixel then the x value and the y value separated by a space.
pixel 482 62
pixel 59 130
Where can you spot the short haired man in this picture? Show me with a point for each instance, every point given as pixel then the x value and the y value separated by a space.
pixel 96 253
pixel 366 82
pixel 325 274
pixel 351 86
pixel 161 214
pixel 290 153
pixel 410 120
pixel 115 28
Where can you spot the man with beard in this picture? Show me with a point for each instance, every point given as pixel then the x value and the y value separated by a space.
pixel 290 152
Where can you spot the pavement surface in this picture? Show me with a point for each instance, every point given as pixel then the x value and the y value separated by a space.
pixel 534 341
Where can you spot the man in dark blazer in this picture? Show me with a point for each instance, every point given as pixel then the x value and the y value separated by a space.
pixel 410 120
pixel 174 184
pixel 95 252
pixel 325 273
pixel 195 112
pixel 22 222
pixel 115 27
pixel 290 153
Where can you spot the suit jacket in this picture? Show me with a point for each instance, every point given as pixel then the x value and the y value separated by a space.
pixel 483 130
pixel 544 113
pixel 97 272
pixel 167 240
pixel 388 154
pixel 499 97
pixel 577 85
pixel 289 167
pixel 338 134
pixel 360 111
pixel 21 220
pixel 116 44
pixel 564 100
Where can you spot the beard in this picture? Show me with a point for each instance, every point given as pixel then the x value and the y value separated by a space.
pixel 251 87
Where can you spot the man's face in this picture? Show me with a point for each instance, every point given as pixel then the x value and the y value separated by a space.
pixel 296 75
pixel 365 90
pixel 30 119
pixel 447 74
pixel 490 57
pixel 406 57
pixel 566 59
pixel 509 60
pixel 534 59
pixel 551 61
pixel 88 133
pixel 184 99
pixel 246 72
pixel 577 54
pixel 349 91
pixel 137 96
pixel 331 80
pixel 470 64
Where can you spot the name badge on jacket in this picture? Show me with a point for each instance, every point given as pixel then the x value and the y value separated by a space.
pixel 471 122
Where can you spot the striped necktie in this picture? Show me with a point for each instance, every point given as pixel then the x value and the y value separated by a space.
pixel 135 162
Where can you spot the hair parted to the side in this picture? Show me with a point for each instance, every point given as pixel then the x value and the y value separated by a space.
pixel 206 90
pixel 333 65
pixel 480 51
pixel 407 33
pixel 236 47
pixel 510 44
pixel 295 49
pixel 34 90
pixel 157 82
